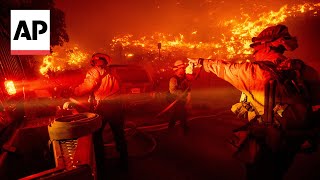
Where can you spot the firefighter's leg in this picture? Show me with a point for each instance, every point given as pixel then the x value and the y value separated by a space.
pixel 99 150
pixel 117 127
pixel 259 164
pixel 121 144
pixel 262 167
pixel 272 165
pixel 285 158
pixel 184 120
pixel 173 120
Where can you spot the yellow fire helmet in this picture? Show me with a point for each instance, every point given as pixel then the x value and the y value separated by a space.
pixel 178 64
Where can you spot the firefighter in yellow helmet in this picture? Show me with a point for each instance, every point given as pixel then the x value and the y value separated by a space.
pixel 104 87
pixel 269 162
pixel 179 89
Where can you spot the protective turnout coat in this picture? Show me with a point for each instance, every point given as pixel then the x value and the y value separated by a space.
pixel 181 87
pixel 250 78
pixel 99 80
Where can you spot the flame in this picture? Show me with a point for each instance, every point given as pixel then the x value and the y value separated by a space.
pixel 233 44
pixel 47 63
pixel 10 87
pixel 242 32
pixel 76 57
pixel 129 55
pixel 63 59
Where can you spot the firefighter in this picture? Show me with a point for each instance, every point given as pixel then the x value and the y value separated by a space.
pixel 179 91
pixel 250 78
pixel 104 88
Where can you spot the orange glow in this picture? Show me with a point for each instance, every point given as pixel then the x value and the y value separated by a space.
pixel 129 55
pixel 243 31
pixel 76 57
pixel 232 44
pixel 231 41
pixel 62 59
pixel 10 87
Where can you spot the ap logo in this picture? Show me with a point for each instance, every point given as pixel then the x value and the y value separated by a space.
pixel 30 32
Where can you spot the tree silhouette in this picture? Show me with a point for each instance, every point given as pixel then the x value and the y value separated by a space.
pixel 58 34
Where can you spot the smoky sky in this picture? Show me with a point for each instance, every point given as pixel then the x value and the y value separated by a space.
pixel 92 24
pixel 95 22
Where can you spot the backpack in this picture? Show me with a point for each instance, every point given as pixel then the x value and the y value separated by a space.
pixel 287 113
pixel 287 99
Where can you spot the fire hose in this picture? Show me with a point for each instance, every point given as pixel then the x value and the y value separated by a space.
pixel 59 130
pixel 130 131
pixel 74 126
pixel 180 96
pixel 173 103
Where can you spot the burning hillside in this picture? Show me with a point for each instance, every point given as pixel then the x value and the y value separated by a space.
pixel 230 40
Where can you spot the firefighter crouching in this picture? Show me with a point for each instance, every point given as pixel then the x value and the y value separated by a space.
pixel 103 86
pixel 270 156
pixel 179 91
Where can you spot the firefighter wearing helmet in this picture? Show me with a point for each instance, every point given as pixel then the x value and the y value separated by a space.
pixel 179 90
pixel 268 161
pixel 104 87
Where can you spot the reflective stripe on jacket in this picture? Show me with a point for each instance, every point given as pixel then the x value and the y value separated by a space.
pixel 101 82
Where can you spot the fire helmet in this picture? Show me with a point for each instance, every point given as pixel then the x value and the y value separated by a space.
pixel 100 58
pixel 178 64
pixel 275 36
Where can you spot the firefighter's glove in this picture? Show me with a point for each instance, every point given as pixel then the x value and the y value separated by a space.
pixel 241 109
pixel 68 105
pixel 196 62
pixel 189 68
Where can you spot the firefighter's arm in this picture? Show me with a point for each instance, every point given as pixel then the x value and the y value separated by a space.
pixel 228 71
pixel 312 78
pixel 190 77
pixel 173 87
pixel 243 76
pixel 188 101
pixel 89 83
pixel 191 74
